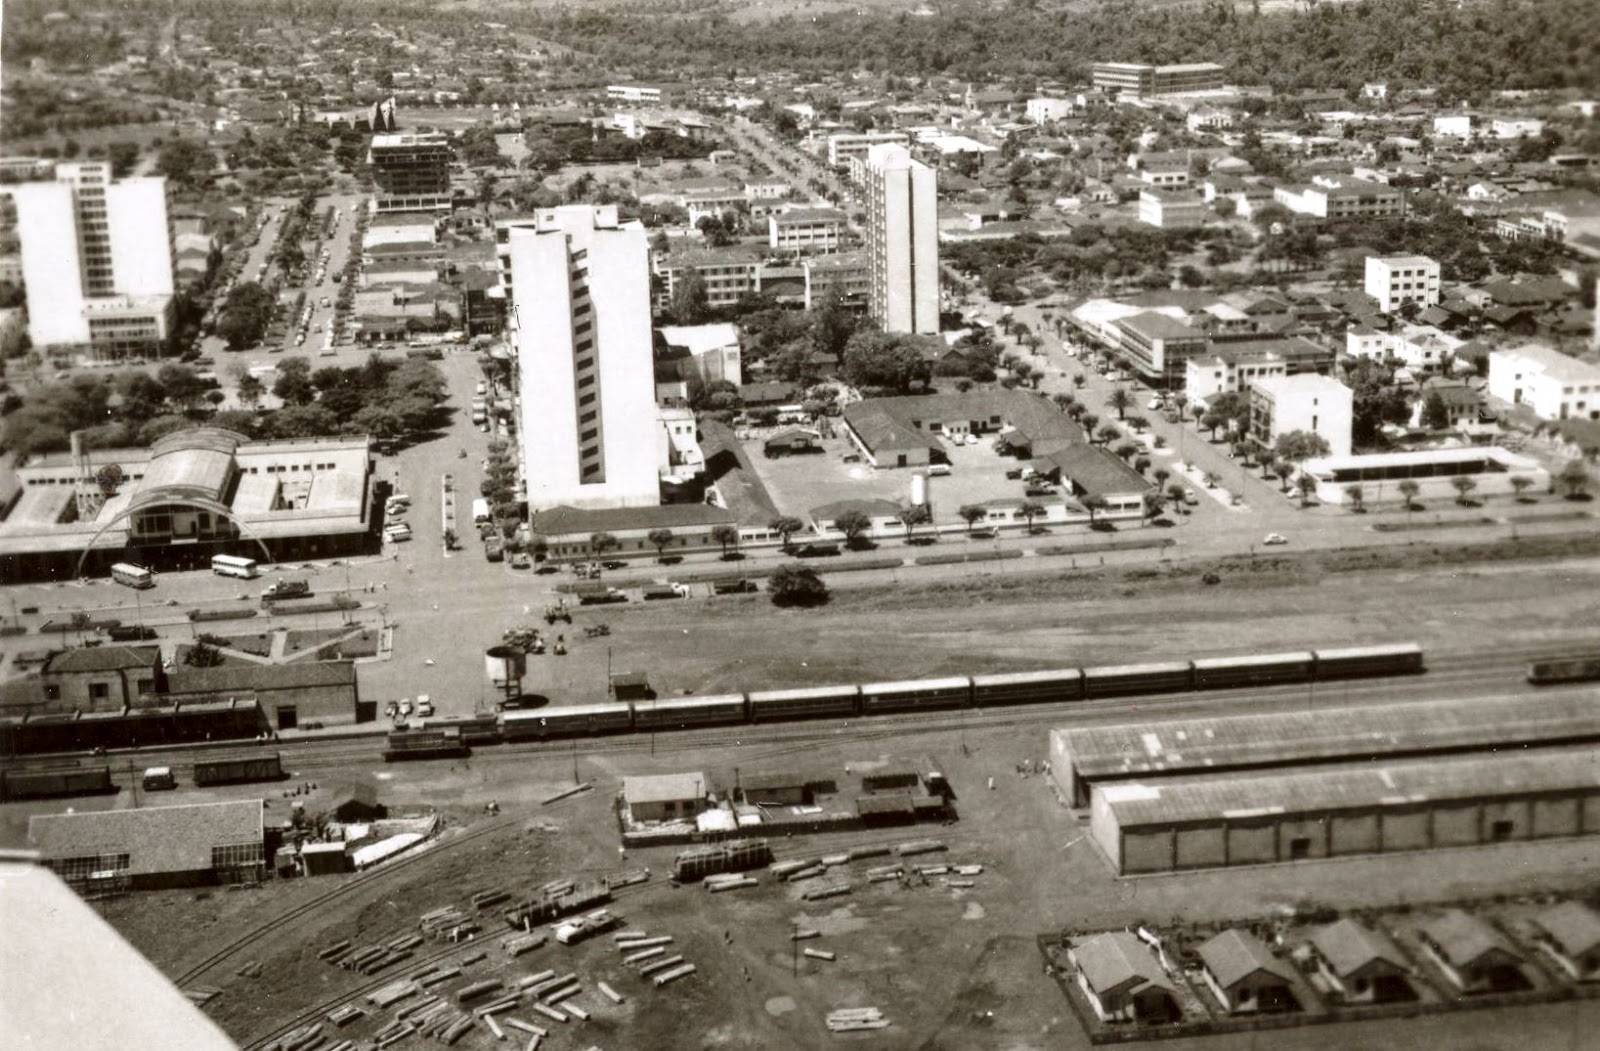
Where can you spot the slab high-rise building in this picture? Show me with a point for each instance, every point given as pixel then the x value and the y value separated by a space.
pixel 903 240
pixel 96 259
pixel 410 172
pixel 581 284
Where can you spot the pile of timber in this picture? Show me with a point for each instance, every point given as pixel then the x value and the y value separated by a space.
pixel 371 959
pixel 919 846
pixel 856 1019
pixel 728 881
pixel 449 924
pixel 343 1016
pixel 484 899
pixel 827 890
pixel 517 944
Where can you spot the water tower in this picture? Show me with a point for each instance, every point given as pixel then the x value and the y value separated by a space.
pixel 505 666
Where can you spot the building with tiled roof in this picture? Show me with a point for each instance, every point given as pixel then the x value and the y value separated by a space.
pixel 1362 965
pixel 1123 980
pixel 150 847
pixel 1244 975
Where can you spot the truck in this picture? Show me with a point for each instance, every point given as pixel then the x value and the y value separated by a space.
pixel 580 927
pixel 281 589
pixel 669 590
pixel 159 779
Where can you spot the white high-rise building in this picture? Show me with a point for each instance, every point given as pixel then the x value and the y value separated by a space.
pixel 96 259
pixel 903 240
pixel 1395 280
pixel 581 284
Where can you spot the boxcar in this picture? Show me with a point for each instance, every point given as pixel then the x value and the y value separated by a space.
pixel 62 781
pixel 1215 673
pixel 812 702
pixel 917 696
pixel 1027 687
pixel 425 744
pixel 474 729
pixel 240 770
pixel 1137 678
pixel 1574 669
pixel 1403 658
pixel 568 721
pixel 677 713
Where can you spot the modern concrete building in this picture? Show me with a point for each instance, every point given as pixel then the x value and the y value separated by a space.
pixel 902 201
pixel 1229 371
pixel 154 847
pixel 1170 210
pixel 410 172
pixel 1143 81
pixel 1157 346
pixel 1554 385
pixel 845 146
pixel 1342 198
pixel 1042 110
pixel 1319 405
pixel 1398 279
pixel 97 260
pixel 1370 808
pixel 805 230
pixel 581 285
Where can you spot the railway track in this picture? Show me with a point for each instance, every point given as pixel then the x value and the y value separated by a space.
pixel 361 882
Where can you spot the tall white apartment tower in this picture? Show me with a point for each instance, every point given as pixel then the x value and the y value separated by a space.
pixel 581 284
pixel 903 239
pixel 96 259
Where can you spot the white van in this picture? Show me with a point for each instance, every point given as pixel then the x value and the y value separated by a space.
pixel 480 511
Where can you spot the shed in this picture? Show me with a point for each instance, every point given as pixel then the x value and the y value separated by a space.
pixel 792 440
pixel 1472 954
pixel 891 776
pixel 631 686
pixel 665 797
pixel 1362 965
pixel 323 859
pixel 777 788
pixel 358 803
pixel 193 843
pixel 1570 934
pixel 1123 980
pixel 890 808
pixel 1245 976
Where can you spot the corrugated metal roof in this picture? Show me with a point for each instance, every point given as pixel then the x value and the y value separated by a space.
pixel 156 839
pixel 1305 736
pixel 1463 938
pixel 1108 961
pixel 1349 946
pixel 1135 804
pixel 1574 926
pixel 665 788
pixel 1235 955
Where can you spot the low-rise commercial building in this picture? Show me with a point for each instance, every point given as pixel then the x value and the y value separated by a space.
pixel 1342 198
pixel 1169 210
pixel 154 847
pixel 1397 280
pixel 1143 81
pixel 1493 471
pixel 665 797
pixel 326 693
pixel 100 678
pixel 1158 346
pixel 1552 384
pixel 568 530
pixel 805 230
pixel 849 146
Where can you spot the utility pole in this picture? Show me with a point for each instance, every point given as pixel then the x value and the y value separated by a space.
pixel 575 762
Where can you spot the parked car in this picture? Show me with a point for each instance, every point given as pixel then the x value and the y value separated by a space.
pixel 1191 497
pixel 818 550
pixel 521 560
pixel 405 707
pixel 398 533
pixel 424 705
pixel 1274 539
pixel 971 439
pixel 984 533
pixel 939 469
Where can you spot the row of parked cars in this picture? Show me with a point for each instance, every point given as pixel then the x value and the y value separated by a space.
pixel 395 528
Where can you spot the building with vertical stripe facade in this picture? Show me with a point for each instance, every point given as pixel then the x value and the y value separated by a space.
pixel 581 284
pixel 902 200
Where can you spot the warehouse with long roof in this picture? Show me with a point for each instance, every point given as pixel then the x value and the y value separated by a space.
pixel 1251 819
pixel 1084 757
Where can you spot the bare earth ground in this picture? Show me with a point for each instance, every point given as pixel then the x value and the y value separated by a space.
pixel 953 968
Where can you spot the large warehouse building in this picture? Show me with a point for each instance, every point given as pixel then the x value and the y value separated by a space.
pixel 1084 757
pixel 1210 822
pixel 154 847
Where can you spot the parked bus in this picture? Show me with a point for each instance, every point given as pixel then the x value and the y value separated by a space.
pixel 132 575
pixel 234 566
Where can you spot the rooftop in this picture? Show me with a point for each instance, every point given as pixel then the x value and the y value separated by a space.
pixel 1111 960
pixel 1572 925
pixel 1301 383
pixel 1463 938
pixel 1369 787
pixel 158 839
pixel 235 678
pixel 1234 955
pixel 665 788
pixel 1348 946
pixel 1306 736
pixel 1096 471
pixel 562 521
pixel 1553 363
pixel 1152 325
pixel 102 658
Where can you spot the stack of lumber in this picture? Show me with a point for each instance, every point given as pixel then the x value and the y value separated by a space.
pixel 728 881
pixel 855 1019
pixel 448 923
pixel 343 1016
pixel 484 899
pixel 371 959
pixel 628 878
pixel 517 944
pixel 919 846
pixel 394 992
pixel 885 872
pixel 858 853
pixel 827 890
pixel 783 869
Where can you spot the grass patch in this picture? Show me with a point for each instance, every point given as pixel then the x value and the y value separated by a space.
pixel 976 556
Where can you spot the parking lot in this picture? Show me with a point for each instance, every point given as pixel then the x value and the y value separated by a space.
pixel 802 482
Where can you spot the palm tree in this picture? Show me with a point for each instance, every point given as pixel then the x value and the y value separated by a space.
pixel 1463 485
pixel 1519 482
pixel 1161 474
pixel 972 514
pixel 1355 495
pixel 1030 510
pixel 1120 400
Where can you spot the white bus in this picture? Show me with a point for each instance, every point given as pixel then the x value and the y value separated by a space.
pixel 234 566
pixel 132 575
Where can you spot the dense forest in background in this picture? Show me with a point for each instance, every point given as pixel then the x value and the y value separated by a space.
pixel 1479 47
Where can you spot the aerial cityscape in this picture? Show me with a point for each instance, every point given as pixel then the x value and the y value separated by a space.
pixel 767 524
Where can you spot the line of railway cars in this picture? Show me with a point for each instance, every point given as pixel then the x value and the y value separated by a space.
pixel 1563 669
pixel 167 724
pixel 446 743
pixel 976 691
pixel 239 770
pixel 59 781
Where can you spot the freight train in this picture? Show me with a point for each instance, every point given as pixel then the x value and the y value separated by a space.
pixel 1563 669
pixel 60 781
pixel 168 724
pixel 962 691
